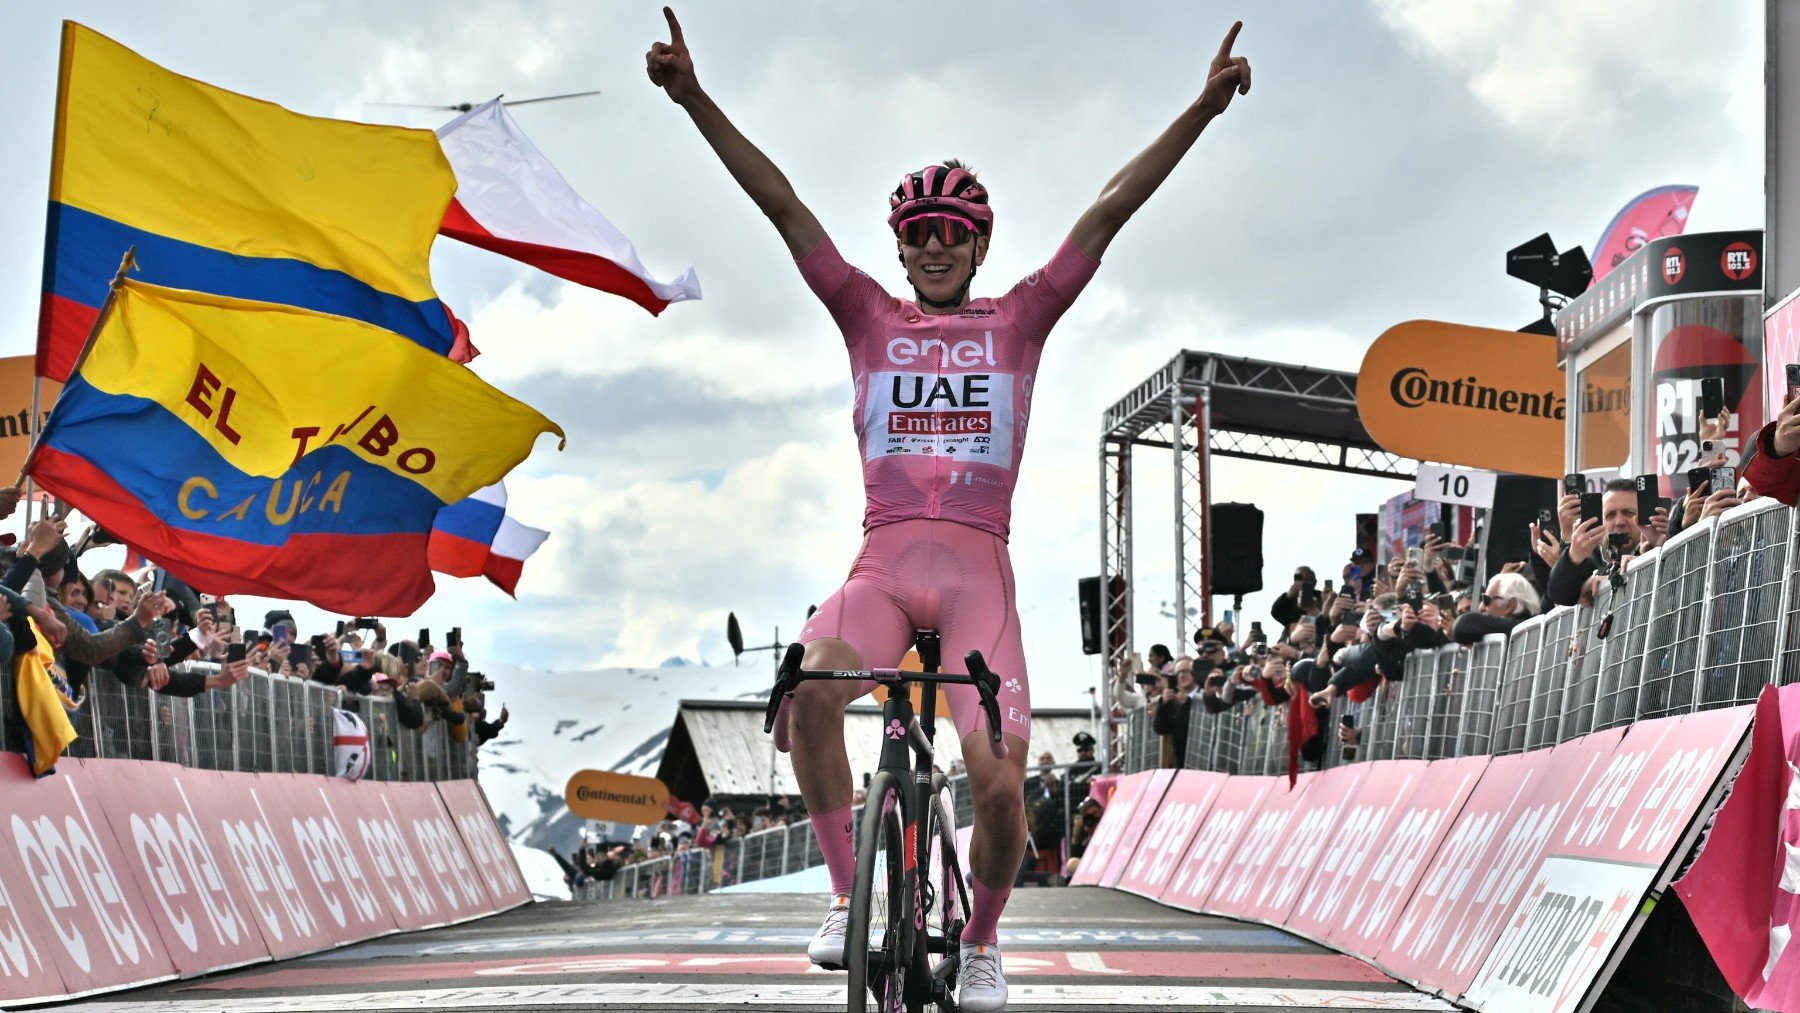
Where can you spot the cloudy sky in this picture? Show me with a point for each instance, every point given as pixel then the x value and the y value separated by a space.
pixel 1390 153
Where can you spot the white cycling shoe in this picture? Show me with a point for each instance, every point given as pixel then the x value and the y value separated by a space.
pixel 980 987
pixel 827 946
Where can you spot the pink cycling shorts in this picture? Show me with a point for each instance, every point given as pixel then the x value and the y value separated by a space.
pixel 935 574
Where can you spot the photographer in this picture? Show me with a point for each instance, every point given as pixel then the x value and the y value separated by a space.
pixel 1618 529
pixel 1301 599
pixel 1087 818
pixel 1170 720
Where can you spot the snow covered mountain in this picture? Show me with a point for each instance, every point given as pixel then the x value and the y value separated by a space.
pixel 606 719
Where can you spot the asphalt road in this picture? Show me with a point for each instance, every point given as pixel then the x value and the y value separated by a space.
pixel 1070 949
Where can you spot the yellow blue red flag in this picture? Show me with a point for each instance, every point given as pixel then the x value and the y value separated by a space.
pixel 261 449
pixel 228 194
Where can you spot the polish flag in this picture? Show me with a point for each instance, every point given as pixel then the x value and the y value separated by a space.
pixel 512 201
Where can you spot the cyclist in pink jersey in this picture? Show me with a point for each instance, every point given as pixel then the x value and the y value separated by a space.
pixel 943 394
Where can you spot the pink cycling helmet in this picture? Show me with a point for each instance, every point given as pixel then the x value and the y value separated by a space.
pixel 941 189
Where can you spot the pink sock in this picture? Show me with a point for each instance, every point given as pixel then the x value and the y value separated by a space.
pixel 837 842
pixel 984 919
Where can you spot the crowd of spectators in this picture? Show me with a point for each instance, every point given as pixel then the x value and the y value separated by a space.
pixel 1344 640
pixel 138 629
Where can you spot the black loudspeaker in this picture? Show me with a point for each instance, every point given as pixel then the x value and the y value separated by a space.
pixel 1087 593
pixel 1506 535
pixel 1237 560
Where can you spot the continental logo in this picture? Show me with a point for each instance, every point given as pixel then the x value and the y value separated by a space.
pixel 585 794
pixel 1412 387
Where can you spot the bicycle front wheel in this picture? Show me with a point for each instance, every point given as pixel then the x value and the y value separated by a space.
pixel 945 892
pixel 877 938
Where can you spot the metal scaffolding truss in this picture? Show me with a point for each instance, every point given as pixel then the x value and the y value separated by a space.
pixel 1260 411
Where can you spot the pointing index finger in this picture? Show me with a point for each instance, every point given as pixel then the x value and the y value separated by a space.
pixel 1224 47
pixel 674 26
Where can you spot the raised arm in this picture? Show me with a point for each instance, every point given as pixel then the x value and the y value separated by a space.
pixel 1126 192
pixel 671 68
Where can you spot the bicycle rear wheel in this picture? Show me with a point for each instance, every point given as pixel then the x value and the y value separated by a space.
pixel 878 937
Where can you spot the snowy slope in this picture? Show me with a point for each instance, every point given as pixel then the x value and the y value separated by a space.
pixel 607 719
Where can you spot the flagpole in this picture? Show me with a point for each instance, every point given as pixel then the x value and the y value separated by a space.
pixel 126 263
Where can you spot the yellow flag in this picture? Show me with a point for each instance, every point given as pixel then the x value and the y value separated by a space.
pixel 41 705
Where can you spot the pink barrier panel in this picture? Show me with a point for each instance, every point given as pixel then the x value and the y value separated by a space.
pixel 469 810
pixel 1121 810
pixel 1613 844
pixel 178 866
pixel 1317 830
pixel 408 896
pixel 334 875
pixel 59 846
pixel 1353 903
pixel 1447 933
pixel 1245 873
pixel 1132 834
pixel 1225 824
pixel 121 872
pixel 1336 857
pixel 1184 805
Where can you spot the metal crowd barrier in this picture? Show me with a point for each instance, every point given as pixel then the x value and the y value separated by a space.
pixel 1705 621
pixel 266 723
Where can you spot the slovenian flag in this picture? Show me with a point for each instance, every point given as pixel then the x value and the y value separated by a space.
pixel 475 538
pixel 512 201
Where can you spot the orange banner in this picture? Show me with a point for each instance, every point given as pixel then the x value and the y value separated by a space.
pixel 616 798
pixel 15 412
pixel 1471 396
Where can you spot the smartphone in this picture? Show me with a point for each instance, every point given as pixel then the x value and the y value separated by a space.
pixel 1146 679
pixel 365 622
pixel 1724 477
pixel 1574 484
pixel 1591 507
pixel 236 652
pixel 1328 589
pixel 1712 397
pixel 1348 721
pixel 1698 477
pixel 281 633
pixel 424 638
pixel 157 576
pixel 1547 521
pixel 1442 529
pixel 1415 596
pixel 300 655
pixel 1416 556
pixel 61 509
pixel 342 626
pixel 1646 498
pixel 1793 381
pixel 455 639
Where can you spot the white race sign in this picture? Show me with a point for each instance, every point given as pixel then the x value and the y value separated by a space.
pixel 1461 486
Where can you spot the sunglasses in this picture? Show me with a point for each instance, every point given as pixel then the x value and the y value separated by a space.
pixel 950 230
pixel 1489 599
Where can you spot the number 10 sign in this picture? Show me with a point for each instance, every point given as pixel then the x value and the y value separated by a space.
pixel 1455 485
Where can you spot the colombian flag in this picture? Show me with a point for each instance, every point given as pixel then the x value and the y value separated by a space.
pixel 270 450
pixel 231 195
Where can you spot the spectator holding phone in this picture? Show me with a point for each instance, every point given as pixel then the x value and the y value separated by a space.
pixel 1171 718
pixel 1616 529
pixel 1509 601
pixel 1299 600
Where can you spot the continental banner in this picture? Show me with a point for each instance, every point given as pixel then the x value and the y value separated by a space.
pixel 1472 396
pixel 616 798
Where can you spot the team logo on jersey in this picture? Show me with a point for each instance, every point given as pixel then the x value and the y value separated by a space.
pixel 965 354
pixel 964 416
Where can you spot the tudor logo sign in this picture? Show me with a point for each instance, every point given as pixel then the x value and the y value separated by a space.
pixel 1473 396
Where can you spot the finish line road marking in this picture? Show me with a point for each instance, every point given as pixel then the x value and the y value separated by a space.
pixel 782 997
pixel 1138 965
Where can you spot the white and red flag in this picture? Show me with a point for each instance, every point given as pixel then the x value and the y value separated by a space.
pixel 512 201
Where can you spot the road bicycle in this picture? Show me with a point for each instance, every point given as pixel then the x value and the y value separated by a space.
pixel 910 900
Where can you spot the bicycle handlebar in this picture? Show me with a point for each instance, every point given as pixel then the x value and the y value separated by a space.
pixel 790 675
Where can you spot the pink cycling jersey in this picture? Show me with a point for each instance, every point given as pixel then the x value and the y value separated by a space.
pixel 942 400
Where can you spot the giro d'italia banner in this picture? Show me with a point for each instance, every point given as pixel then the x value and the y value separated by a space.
pixel 1744 890
pixel 1472 396
pixel 1511 884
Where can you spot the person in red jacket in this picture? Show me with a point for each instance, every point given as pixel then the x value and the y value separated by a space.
pixel 1774 470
